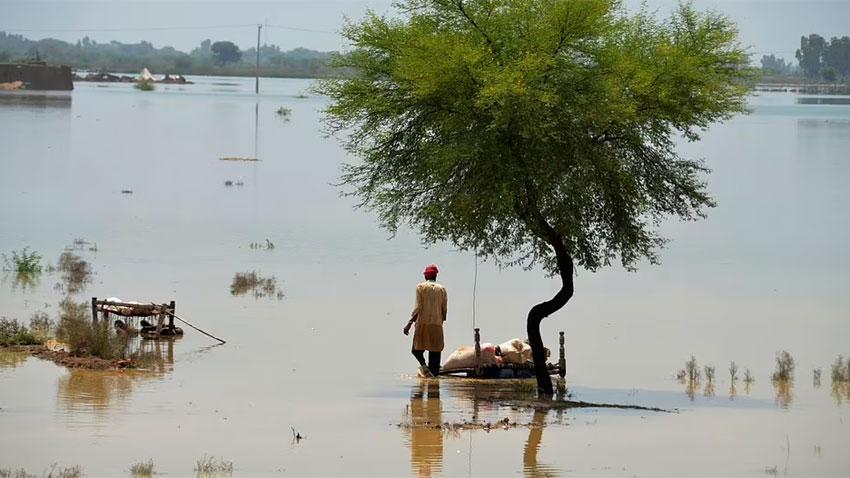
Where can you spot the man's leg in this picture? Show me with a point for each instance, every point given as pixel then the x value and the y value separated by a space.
pixel 434 363
pixel 420 356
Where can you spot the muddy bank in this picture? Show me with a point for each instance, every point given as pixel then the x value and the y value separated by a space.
pixel 66 359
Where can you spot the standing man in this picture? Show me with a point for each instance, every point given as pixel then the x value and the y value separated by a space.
pixel 428 315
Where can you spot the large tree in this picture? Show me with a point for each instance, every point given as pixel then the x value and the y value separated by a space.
pixel 224 52
pixel 536 132
pixel 810 54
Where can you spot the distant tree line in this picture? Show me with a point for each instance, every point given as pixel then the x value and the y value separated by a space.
pixel 817 58
pixel 209 58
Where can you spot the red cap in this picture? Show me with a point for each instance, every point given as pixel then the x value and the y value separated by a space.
pixel 431 271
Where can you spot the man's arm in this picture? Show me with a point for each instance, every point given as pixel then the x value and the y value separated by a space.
pixel 445 305
pixel 413 315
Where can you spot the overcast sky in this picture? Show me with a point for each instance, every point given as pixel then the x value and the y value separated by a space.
pixel 768 26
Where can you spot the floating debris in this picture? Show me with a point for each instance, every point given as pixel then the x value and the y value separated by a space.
pixel 126 191
pixel 238 158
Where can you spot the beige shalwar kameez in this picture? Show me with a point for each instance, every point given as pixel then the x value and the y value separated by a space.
pixel 430 312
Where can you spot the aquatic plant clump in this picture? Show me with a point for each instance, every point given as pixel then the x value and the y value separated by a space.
pixel 784 367
pixel 10 473
pixel 692 370
pixel 733 371
pixel 840 372
pixel 709 374
pixel 64 472
pixel 259 286
pixel 143 469
pixel 267 245
pixel 23 262
pixel 209 466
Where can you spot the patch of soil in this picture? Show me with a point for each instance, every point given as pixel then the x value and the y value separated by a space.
pixel 66 359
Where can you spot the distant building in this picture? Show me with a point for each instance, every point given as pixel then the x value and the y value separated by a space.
pixel 37 76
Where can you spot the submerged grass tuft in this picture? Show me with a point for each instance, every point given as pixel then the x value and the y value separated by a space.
pixel 143 469
pixel 784 367
pixel 10 473
pixel 709 374
pixel 64 472
pixel 209 466
pixel 254 283
pixel 841 372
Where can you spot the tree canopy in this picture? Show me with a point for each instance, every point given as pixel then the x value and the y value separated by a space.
pixel 224 52
pixel 525 129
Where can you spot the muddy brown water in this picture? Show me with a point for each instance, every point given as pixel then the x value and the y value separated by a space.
pixel 768 270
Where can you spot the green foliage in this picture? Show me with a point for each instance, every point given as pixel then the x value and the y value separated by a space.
pixel 509 126
pixel 224 52
pixel 24 262
pixel 14 333
pixel 772 65
pixel 85 338
pixel 828 73
pixel 821 58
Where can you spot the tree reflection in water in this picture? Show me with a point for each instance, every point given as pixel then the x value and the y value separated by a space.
pixel 425 431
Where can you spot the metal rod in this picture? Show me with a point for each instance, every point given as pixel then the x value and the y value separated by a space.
pixel 165 309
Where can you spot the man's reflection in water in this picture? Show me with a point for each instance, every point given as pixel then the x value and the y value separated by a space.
pixel 425 435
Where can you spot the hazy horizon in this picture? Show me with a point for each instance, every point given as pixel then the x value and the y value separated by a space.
pixel 766 26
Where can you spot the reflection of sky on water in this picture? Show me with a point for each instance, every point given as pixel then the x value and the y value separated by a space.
pixel 768 270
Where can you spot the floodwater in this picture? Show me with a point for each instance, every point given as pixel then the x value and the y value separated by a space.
pixel 769 270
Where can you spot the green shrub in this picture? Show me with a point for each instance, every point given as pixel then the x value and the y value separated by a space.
pixel 24 262
pixel 14 333
pixel 84 337
pixel 41 326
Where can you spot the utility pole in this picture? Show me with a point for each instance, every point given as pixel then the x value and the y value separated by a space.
pixel 257 85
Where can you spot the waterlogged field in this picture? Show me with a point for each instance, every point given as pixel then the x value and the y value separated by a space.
pixel 316 377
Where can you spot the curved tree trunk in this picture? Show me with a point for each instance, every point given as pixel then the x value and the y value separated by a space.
pixel 530 213
pixel 543 310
